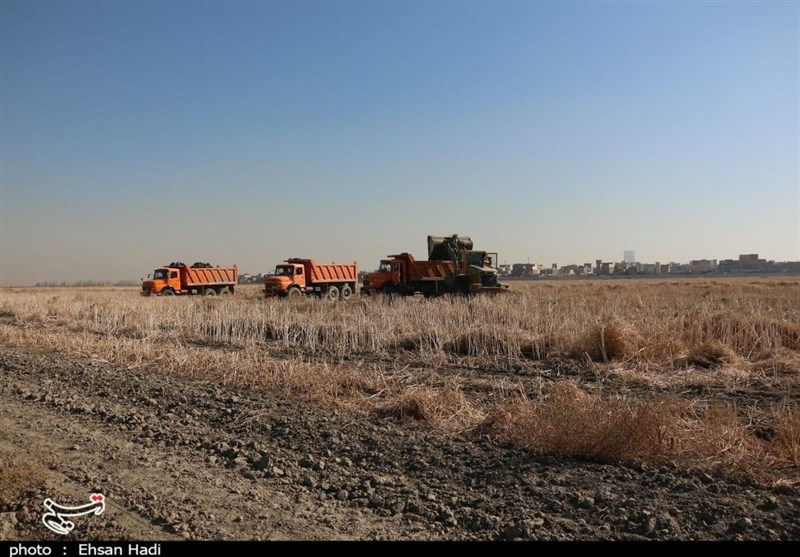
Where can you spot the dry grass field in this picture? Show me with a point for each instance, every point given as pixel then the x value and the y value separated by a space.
pixel 694 373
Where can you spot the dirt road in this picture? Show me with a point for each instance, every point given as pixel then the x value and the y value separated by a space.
pixel 178 459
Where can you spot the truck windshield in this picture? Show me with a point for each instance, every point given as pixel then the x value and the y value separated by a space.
pixel 385 267
pixel 284 270
pixel 475 258
pixel 160 274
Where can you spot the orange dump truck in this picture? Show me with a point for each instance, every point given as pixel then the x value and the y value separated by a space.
pixel 303 276
pixel 200 278
pixel 402 274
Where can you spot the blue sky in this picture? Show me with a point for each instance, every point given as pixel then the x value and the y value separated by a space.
pixel 134 134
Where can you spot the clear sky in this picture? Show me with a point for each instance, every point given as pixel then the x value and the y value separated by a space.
pixel 134 134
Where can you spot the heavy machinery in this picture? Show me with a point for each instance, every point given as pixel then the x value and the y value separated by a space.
pixel 453 267
pixel 200 278
pixel 303 276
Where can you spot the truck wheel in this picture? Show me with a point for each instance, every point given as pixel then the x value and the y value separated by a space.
pixel 224 291
pixel 346 292
pixel 167 292
pixel 209 292
pixel 332 293
pixel 293 292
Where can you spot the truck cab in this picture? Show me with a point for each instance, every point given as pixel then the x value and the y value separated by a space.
pixel 480 268
pixel 389 272
pixel 289 278
pixel 165 279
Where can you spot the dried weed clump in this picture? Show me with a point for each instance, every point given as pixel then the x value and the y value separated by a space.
pixel 612 339
pixel 786 440
pixel 570 422
pixel 712 354
pixel 715 437
pixel 447 408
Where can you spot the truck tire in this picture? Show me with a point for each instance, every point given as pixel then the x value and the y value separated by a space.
pixel 224 290
pixel 293 292
pixel 168 292
pixel 332 293
pixel 209 292
pixel 346 292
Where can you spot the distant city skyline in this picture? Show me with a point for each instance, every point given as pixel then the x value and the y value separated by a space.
pixel 743 263
pixel 137 133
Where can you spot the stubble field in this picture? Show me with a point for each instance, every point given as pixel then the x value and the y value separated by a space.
pixel 600 386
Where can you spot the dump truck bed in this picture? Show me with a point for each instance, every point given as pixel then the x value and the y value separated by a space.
pixel 325 273
pixel 206 276
pixel 430 270
pixel 425 270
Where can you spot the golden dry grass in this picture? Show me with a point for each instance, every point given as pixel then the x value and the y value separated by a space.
pixel 495 364
pixel 571 422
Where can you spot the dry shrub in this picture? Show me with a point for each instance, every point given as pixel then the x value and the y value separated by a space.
pixel 485 341
pixel 787 333
pixel 410 342
pixel 540 347
pixel 733 328
pixel 612 339
pixel 744 331
pixel 415 342
pixel 447 408
pixel 780 362
pixel 427 341
pixel 325 384
pixel 710 355
pixel 570 422
pixel 662 350
pixel 718 439
pixel 786 441
pixel 461 345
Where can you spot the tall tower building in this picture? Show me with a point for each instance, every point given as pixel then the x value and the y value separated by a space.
pixel 629 256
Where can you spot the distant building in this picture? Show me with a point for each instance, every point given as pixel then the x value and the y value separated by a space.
pixel 702 266
pixel 747 263
pixel 525 270
pixel 570 270
pixel 751 262
pixel 607 268
pixel 629 256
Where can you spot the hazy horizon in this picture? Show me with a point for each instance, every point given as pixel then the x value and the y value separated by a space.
pixel 135 134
